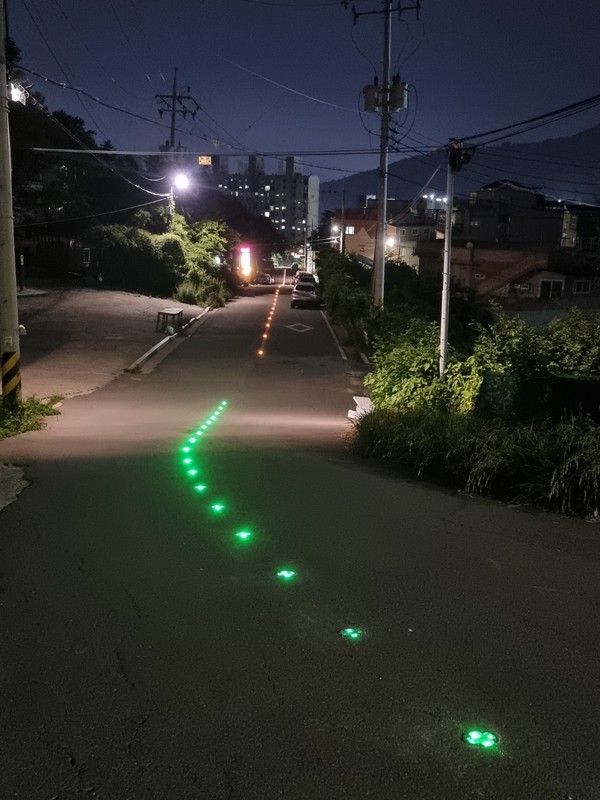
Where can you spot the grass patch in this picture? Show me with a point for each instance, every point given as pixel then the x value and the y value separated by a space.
pixel 556 466
pixel 25 415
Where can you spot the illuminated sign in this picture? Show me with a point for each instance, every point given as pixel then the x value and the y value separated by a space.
pixel 205 161
pixel 245 265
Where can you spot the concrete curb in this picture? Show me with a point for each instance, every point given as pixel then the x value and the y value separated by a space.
pixel 139 363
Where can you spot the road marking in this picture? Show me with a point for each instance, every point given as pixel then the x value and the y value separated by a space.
pixel 298 327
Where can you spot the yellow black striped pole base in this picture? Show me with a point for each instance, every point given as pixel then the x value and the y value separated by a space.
pixel 11 377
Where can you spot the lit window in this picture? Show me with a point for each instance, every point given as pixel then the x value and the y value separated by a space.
pixel 349 230
pixel 267 213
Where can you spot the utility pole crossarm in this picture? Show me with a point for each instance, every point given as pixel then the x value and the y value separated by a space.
pixel 387 98
pixel 175 104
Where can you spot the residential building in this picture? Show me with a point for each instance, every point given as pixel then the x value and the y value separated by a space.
pixel 409 222
pixel 519 277
pixel 506 212
pixel 289 199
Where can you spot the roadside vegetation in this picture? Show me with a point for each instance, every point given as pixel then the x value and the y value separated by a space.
pixel 25 415
pixel 167 257
pixel 516 413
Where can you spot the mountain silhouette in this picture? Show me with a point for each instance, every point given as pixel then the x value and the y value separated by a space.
pixel 567 169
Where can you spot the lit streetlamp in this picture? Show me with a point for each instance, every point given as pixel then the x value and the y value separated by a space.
pixel 179 181
pixel 338 236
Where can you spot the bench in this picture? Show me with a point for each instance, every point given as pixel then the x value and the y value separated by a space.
pixel 169 316
pixel 363 406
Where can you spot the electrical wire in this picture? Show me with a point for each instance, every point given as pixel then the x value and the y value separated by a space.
pixel 82 40
pixel 60 66
pixel 82 150
pixel 542 119
pixel 87 216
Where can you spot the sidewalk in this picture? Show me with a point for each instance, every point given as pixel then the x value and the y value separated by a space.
pixel 79 339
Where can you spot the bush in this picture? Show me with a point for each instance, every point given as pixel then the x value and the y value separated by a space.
pixel 555 466
pixel 202 289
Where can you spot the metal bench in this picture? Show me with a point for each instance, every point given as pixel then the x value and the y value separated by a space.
pixel 169 316
pixel 363 406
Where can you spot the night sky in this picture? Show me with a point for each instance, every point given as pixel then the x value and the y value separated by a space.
pixel 285 76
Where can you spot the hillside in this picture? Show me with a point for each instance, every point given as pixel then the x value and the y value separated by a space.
pixel 567 168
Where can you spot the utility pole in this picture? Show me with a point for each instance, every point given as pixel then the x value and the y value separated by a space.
pixel 380 236
pixel 386 97
pixel 175 104
pixel 458 156
pixel 9 314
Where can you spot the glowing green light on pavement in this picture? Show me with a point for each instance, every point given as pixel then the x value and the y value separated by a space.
pixel 192 439
pixel 203 427
pixel 351 633
pixel 485 739
pixel 286 574
pixel 187 460
pixel 244 535
pixel 200 487
pixel 192 472
pixel 186 449
pixel 218 507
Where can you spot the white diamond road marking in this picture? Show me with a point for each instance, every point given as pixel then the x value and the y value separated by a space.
pixel 299 327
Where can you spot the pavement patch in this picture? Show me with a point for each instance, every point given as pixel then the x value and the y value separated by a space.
pixel 12 483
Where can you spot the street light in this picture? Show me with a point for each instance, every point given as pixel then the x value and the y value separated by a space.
pixel 179 181
pixel 337 230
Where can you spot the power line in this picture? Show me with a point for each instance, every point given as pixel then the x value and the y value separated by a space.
pixel 87 216
pixel 544 119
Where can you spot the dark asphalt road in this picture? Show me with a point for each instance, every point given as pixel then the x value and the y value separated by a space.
pixel 145 652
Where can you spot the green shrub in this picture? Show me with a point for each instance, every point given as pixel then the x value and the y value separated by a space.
pixel 187 292
pixel 202 289
pixel 407 375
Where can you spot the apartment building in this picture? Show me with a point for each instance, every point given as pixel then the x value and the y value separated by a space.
pixel 288 198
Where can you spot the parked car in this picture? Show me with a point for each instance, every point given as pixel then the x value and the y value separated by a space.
pixel 301 275
pixel 305 293
pixel 266 278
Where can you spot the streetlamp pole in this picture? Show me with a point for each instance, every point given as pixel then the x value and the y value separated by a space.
pixel 458 156
pixel 446 270
pixel 9 314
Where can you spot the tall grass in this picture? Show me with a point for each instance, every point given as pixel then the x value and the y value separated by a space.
pixel 556 466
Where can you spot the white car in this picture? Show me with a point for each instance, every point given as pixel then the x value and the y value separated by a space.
pixel 304 293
